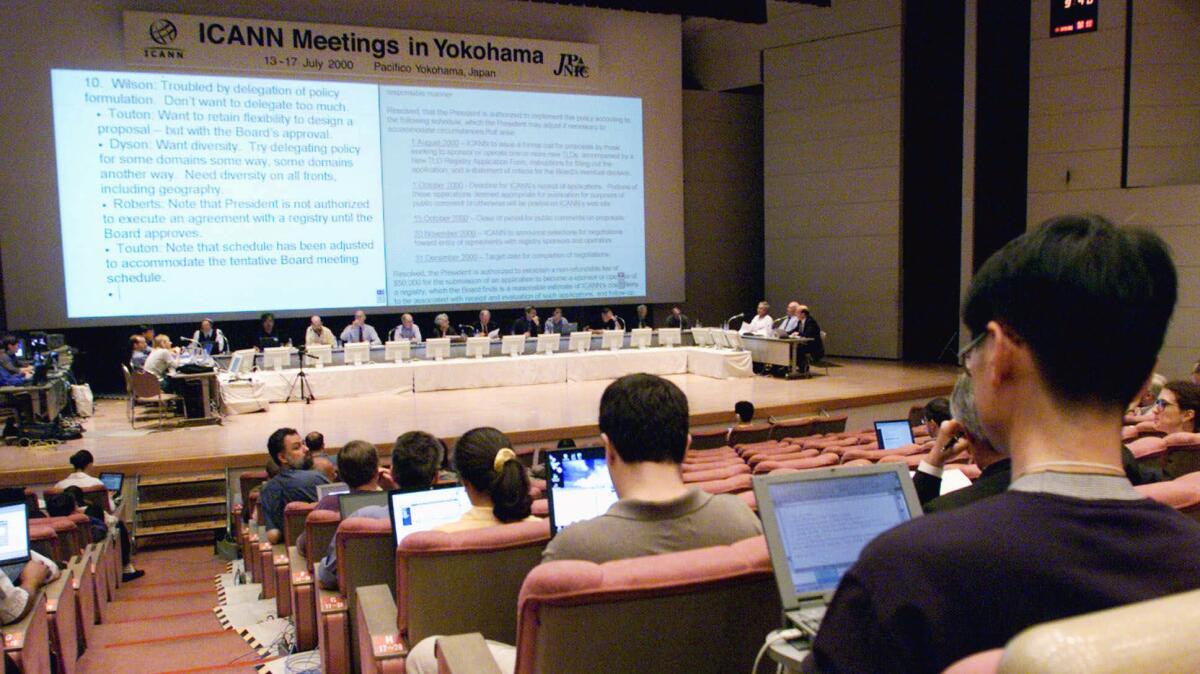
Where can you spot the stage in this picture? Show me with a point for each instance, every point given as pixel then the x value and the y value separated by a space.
pixel 538 414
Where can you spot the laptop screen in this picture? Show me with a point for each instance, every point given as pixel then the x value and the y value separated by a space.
pixel 580 486
pixel 348 504
pixel 893 434
pixel 823 524
pixel 414 511
pixel 112 481
pixel 14 533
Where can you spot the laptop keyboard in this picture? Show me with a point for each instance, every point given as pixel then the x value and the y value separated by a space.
pixel 809 619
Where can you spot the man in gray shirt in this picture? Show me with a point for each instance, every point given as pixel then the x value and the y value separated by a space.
pixel 644 427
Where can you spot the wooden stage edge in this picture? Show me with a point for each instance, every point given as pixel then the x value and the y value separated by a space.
pixel 240 442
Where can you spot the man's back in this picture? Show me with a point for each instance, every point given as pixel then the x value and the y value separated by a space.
pixel 637 528
pixel 288 486
pixel 1011 561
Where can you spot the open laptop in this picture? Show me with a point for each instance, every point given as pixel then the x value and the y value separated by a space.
pixel 14 538
pixel 580 487
pixel 414 511
pixel 893 434
pixel 335 488
pixel 349 503
pixel 818 521
pixel 113 481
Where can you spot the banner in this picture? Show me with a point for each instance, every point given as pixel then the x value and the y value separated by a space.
pixel 254 45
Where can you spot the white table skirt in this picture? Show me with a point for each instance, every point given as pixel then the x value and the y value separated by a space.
pixel 462 373
pixel 719 363
pixel 343 381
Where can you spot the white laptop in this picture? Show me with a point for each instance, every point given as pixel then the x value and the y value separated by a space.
pixel 14 538
pixel 818 521
pixel 579 486
pixel 414 511
pixel 893 434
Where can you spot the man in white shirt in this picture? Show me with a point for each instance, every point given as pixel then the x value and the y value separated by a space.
pixel 14 599
pixel 761 324
pixel 82 461
pixel 407 330
pixel 359 331
pixel 317 334
pixel 791 324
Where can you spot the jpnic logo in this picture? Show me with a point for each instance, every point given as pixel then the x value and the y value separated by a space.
pixel 571 65
pixel 163 32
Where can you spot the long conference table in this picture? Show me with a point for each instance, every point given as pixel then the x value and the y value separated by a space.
pixel 247 392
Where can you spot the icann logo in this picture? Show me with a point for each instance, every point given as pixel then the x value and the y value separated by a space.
pixel 163 32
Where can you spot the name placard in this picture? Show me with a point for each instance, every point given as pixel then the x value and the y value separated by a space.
pixel 258 45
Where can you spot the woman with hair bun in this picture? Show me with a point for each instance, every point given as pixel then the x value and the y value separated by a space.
pixel 496 482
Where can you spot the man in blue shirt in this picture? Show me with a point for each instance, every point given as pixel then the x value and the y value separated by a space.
pixel 296 481
pixel 359 331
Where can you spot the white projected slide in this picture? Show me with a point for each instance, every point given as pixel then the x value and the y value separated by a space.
pixel 195 194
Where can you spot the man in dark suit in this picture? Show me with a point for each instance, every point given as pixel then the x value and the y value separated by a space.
pixel 962 433
pixel 527 325
pixel 643 317
pixel 678 319
pixel 485 324
pixel 810 329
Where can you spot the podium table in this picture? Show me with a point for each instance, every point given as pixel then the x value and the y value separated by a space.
pixel 784 352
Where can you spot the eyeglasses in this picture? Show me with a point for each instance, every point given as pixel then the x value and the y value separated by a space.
pixel 965 352
pixel 1162 404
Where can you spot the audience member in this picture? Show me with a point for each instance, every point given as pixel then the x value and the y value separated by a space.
pixel 14 599
pixel 1145 404
pixel 1175 408
pixel 496 482
pixel 962 433
pixel 744 410
pixel 415 460
pixel 360 471
pixel 1070 535
pixel 315 442
pixel 296 481
pixel 936 412
pixel 83 463
pixel 644 428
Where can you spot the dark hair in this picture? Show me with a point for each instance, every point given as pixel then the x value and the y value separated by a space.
pixel 358 463
pixel 1048 286
pixel 529 309
pixel 275 442
pixel 566 443
pixel 416 457
pixel 938 410
pixel 60 505
pixel 82 459
pixel 9 340
pixel 744 409
pixel 145 328
pixel 1187 396
pixel 265 316
pixel 474 459
pixel 606 310
pixel 645 418
pixel 314 441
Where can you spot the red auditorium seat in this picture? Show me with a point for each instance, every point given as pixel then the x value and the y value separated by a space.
pixel 366 550
pixel 792 428
pixel 879 454
pixel 485 568
pixel 857 462
pixel 1129 433
pixel 729 485
pixel 1182 493
pixel 716 473
pixel 723 601
pixel 820 461
pixel 911 461
pixel 1183 454
pixel 1148 429
pixel 247 481
pixel 709 439
pixel 63 624
pixel 710 465
pixel 741 435
pixel 829 424
pixel 319 529
pixel 294 516
pixel 27 641
pixel 782 456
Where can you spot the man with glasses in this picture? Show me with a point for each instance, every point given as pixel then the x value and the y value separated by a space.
pixel 1070 535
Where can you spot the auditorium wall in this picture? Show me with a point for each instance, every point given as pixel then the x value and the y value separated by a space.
pixel 1075 138
pixel 722 203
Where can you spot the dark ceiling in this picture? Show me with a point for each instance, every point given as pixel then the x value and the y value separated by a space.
pixel 745 11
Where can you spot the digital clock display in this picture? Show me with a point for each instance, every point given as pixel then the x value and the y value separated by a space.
pixel 1068 17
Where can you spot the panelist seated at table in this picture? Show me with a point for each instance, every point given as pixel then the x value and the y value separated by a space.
pixel 678 319
pixel 762 324
pixel 10 362
pixel 407 330
pixel 161 360
pixel 266 336
pixel 789 325
pixel 608 321
pixel 442 327
pixel 643 317
pixel 810 330
pixel 557 324
pixel 360 331
pixel 317 334
pixel 211 339
pixel 528 325
pixel 486 327
pixel 139 349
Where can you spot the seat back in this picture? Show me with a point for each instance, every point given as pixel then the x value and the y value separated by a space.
pixel 247 481
pixel 27 642
pixel 43 539
pixel 744 435
pixel 366 555
pixel 792 428
pixel 319 527
pixel 709 439
pixel 128 378
pixel 485 568
pixel 1150 636
pixel 830 425
pixel 1183 454
pixel 294 516
pixel 1182 493
pixel 68 537
pixel 31 501
pixel 145 385
pixel 722 602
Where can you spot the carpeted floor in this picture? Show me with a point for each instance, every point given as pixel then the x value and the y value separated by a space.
pixel 165 623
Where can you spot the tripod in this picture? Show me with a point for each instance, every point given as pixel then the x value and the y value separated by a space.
pixel 301 378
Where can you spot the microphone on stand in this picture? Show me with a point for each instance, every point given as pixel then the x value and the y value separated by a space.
pixel 730 319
